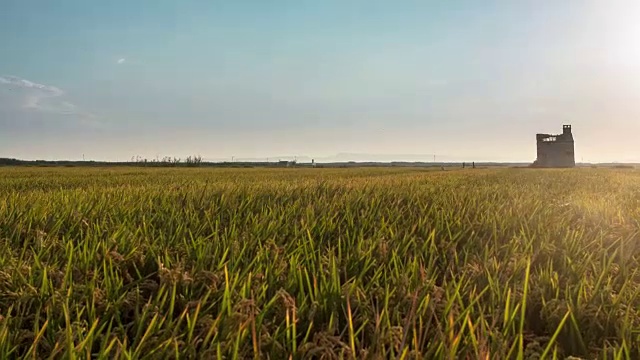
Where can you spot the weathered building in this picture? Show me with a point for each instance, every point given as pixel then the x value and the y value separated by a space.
pixel 556 150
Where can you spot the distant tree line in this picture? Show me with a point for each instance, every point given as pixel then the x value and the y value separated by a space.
pixel 197 161
pixel 194 160
pixel 189 161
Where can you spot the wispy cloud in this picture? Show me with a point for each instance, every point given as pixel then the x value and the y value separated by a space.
pixel 126 60
pixel 23 83
pixel 31 96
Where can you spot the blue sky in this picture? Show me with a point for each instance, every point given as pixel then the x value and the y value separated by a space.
pixel 466 80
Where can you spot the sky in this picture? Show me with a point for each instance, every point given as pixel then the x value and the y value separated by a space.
pixel 464 80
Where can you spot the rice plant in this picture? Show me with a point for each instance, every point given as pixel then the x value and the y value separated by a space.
pixel 190 263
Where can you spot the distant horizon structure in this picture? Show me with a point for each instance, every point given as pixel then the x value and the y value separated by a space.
pixel 556 151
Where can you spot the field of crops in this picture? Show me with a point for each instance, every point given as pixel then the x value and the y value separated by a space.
pixel 135 263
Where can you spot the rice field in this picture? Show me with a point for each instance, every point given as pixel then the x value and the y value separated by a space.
pixel 194 263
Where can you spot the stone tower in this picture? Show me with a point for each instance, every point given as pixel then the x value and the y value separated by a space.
pixel 556 150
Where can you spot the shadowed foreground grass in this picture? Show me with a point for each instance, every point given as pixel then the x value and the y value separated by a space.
pixel 319 263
